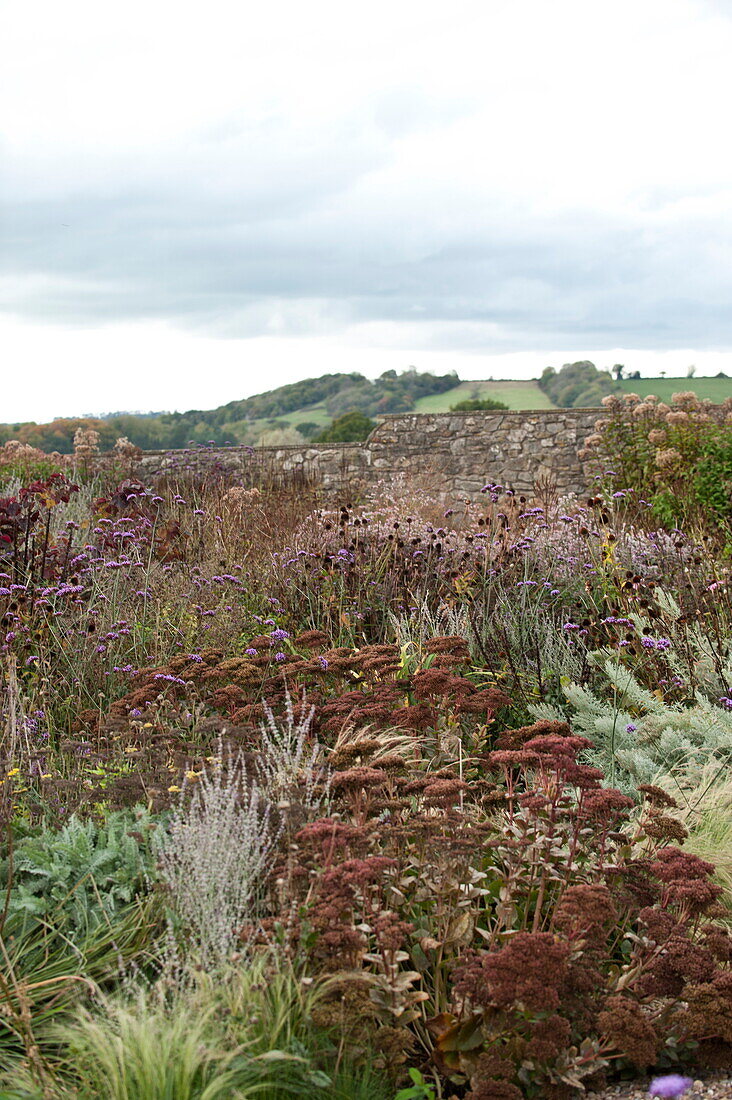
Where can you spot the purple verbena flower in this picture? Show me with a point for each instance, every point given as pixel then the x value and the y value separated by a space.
pixel 671 1085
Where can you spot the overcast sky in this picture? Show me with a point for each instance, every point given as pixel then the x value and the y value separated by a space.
pixel 201 201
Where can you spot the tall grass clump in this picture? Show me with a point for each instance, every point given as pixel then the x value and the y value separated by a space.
pixel 247 1032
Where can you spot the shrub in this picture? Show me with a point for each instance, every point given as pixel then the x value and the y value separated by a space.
pixel 478 404
pixel 677 457
pixel 316 705
pixel 351 427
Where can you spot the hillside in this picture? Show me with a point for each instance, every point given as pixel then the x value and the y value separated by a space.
pixel 296 412
pixel 287 414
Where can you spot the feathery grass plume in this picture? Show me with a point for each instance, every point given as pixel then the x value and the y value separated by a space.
pixel 147 1051
pixel 245 1031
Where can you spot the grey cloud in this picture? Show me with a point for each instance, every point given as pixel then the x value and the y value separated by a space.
pixel 247 237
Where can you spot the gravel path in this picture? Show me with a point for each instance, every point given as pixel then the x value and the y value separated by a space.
pixel 714 1086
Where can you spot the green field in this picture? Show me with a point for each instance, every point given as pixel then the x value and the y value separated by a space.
pixel 315 414
pixel 517 395
pixel 715 389
pixel 253 429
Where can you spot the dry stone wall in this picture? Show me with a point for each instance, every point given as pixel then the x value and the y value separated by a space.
pixel 449 453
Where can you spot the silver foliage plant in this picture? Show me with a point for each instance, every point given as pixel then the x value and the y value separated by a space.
pixel 221 839
pixel 218 844
pixel 290 766
pixel 638 735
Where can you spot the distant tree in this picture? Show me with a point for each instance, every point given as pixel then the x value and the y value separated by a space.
pixel 307 428
pixel 690 371
pixel 352 427
pixel 478 404
pixel 618 371
pixel 577 384
pixel 361 397
pixel 588 398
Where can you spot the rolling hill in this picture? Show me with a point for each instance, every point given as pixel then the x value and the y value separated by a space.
pixel 299 411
